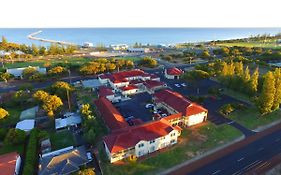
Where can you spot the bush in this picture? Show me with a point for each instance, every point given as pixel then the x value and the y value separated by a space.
pixel 14 137
pixel 3 132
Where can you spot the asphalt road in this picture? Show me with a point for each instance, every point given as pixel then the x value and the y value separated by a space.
pixel 251 156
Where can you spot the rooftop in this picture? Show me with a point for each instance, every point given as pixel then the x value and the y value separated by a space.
pixel 129 87
pixel 174 71
pixel 129 137
pixel 105 91
pixel 113 119
pixel 152 83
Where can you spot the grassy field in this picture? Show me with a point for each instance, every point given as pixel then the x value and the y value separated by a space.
pixel 250 117
pixel 237 95
pixel 54 61
pixel 85 96
pixel 12 119
pixel 192 142
pixel 269 44
pixel 61 139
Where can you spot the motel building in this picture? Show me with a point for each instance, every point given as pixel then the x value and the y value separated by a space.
pixel 137 141
pixel 173 73
pixel 186 112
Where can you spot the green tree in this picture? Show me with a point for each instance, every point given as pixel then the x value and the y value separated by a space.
pixel 266 98
pixel 239 68
pixel 90 136
pixel 14 137
pixel 58 70
pixel 3 113
pixel 247 75
pixel 40 95
pixel 35 50
pixel 254 80
pixel 51 104
pixel 205 54
pixel 27 72
pixel 277 96
pixel 5 76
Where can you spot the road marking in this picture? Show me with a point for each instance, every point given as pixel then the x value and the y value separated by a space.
pixel 237 173
pixel 230 122
pixel 260 149
pixel 216 172
pixel 248 167
pixel 240 159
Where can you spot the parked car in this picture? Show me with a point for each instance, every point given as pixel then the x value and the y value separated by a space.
pixel 149 105
pixel 89 156
pixel 163 115
pixel 157 111
pixel 177 85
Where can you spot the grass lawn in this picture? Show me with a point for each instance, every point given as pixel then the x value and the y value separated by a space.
pixel 192 142
pixel 270 44
pixel 85 95
pixel 250 117
pixel 12 148
pixel 237 95
pixel 61 139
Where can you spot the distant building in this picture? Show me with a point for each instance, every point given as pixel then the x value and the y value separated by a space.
pixel 152 86
pixel 88 45
pixel 119 47
pixel 63 161
pixel 129 90
pixel 17 72
pixel 138 50
pixel 10 164
pixel 173 73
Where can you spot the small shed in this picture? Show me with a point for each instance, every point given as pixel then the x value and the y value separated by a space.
pixel 26 125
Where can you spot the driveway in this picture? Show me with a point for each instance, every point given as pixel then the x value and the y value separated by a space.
pixel 136 107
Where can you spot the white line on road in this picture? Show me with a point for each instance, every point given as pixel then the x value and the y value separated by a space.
pixel 240 159
pixel 230 122
pixel 216 172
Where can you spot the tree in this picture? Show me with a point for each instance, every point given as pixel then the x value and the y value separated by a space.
pixel 42 50
pixel 40 95
pixel 3 113
pixel 239 68
pixel 266 98
pixel 205 54
pixel 14 137
pixel 254 80
pixel 277 96
pixel 90 135
pixel 27 72
pixel 86 112
pixel 35 50
pixel 58 70
pixel 5 76
pixel 51 104
pixel 88 171
pixel 247 75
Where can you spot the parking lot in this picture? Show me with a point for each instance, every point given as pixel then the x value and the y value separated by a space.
pixel 136 107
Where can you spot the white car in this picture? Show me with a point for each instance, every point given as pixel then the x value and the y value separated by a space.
pixel 177 85
pixel 183 84
pixel 149 106
pixel 163 115
pixel 89 156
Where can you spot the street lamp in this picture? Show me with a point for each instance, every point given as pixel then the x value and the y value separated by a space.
pixel 69 75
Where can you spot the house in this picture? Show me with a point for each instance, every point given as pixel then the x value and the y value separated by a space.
pixel 93 83
pixel 140 140
pixel 17 72
pixel 173 73
pixel 26 125
pixel 109 94
pixel 138 50
pixel 129 90
pixel 71 119
pixel 119 47
pixel 174 103
pixel 10 164
pixel 151 86
pixel 64 161
pixel 113 119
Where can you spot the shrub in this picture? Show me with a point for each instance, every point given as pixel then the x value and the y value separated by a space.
pixel 14 137
pixel 227 109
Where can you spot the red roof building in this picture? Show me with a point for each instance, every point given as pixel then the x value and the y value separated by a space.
pixel 113 119
pixel 129 137
pixel 177 102
pixel 105 91
pixel 150 84
pixel 128 88
pixel 9 164
pixel 174 71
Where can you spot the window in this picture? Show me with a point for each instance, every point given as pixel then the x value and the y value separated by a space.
pixel 173 141
pixel 173 134
pixel 163 138
pixel 141 145
pixel 152 141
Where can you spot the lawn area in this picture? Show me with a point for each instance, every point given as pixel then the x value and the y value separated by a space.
pixel 131 58
pixel 12 148
pixel 194 141
pixel 250 117
pixel 85 95
pixel 61 139
pixel 270 44
pixel 237 95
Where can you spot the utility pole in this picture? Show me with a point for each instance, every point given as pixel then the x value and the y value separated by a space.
pixel 69 76
pixel 68 100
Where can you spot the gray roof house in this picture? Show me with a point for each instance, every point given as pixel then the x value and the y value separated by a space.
pixel 62 162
